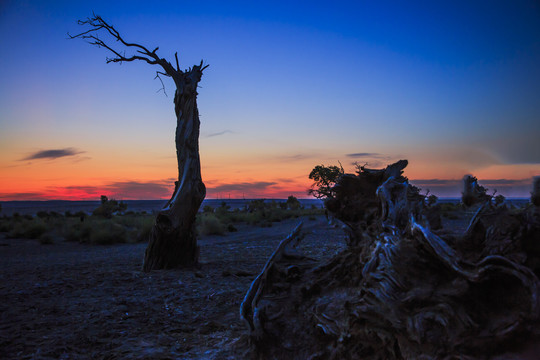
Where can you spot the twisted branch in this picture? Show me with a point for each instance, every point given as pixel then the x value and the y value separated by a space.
pixel 98 25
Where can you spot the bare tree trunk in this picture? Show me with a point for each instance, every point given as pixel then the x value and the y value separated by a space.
pixel 173 240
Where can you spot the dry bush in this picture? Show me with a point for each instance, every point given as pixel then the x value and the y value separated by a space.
pixel 209 224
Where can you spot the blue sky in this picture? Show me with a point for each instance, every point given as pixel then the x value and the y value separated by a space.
pixel 453 87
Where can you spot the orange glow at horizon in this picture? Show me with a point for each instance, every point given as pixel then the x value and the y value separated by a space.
pixel 88 179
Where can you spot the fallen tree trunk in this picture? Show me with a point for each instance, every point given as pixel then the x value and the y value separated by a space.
pixel 400 290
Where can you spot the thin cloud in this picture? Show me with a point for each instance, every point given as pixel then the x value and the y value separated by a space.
pixel 365 154
pixel 21 196
pixel 53 154
pixel 220 133
pixel 287 180
pixel 141 190
pixel 295 157
pixel 122 190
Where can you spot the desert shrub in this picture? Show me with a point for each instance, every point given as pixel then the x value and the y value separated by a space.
pixel 42 214
pixel 499 200
pixel 103 231
pixel 252 218
pixel 223 210
pixel 108 233
pixel 109 207
pixel 293 203
pixel 46 239
pixel 28 229
pixel 256 205
pixel 138 226
pixel 6 224
pixel 432 200
pixel 208 209
pixel 78 232
pixel 261 213
pixel 450 210
pixel 144 231
pixel 81 215
pixel 209 224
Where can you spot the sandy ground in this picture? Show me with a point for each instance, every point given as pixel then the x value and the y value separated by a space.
pixel 73 301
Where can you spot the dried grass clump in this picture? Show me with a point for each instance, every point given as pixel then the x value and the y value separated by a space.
pixel 210 225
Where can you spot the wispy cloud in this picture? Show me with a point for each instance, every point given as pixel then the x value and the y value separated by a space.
pixel 53 154
pixel 122 190
pixel 365 154
pixel 295 157
pixel 371 159
pixel 142 190
pixel 22 196
pixel 220 133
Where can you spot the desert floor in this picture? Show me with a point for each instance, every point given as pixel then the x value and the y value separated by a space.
pixel 74 301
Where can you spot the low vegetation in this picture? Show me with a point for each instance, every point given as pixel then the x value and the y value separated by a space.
pixel 110 223
pixel 259 212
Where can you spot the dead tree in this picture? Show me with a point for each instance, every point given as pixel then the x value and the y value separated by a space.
pixel 473 192
pixel 535 194
pixel 173 239
pixel 401 290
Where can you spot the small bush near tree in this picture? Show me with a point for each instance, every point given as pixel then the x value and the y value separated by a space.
pixel 432 200
pixel 293 203
pixel 209 224
pixel 28 229
pixel 499 200
pixel 109 207
pixel 208 209
pixel 324 178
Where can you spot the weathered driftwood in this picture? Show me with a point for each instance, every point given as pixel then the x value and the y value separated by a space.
pixel 173 239
pixel 402 291
pixel 250 309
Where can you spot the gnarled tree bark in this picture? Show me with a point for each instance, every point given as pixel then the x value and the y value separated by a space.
pixel 173 241
pixel 401 290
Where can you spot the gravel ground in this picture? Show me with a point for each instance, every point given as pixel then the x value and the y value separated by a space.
pixel 74 301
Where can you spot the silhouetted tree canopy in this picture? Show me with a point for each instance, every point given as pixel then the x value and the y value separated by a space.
pixel 324 178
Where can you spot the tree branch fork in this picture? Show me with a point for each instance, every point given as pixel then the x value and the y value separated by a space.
pixel 98 25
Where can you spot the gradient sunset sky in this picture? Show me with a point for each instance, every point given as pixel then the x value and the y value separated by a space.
pixel 454 87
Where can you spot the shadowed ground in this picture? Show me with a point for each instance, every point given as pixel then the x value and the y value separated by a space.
pixel 69 300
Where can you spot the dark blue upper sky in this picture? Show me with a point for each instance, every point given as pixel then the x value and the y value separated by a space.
pixel 452 86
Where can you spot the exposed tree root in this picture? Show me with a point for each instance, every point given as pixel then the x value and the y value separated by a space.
pixel 400 290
